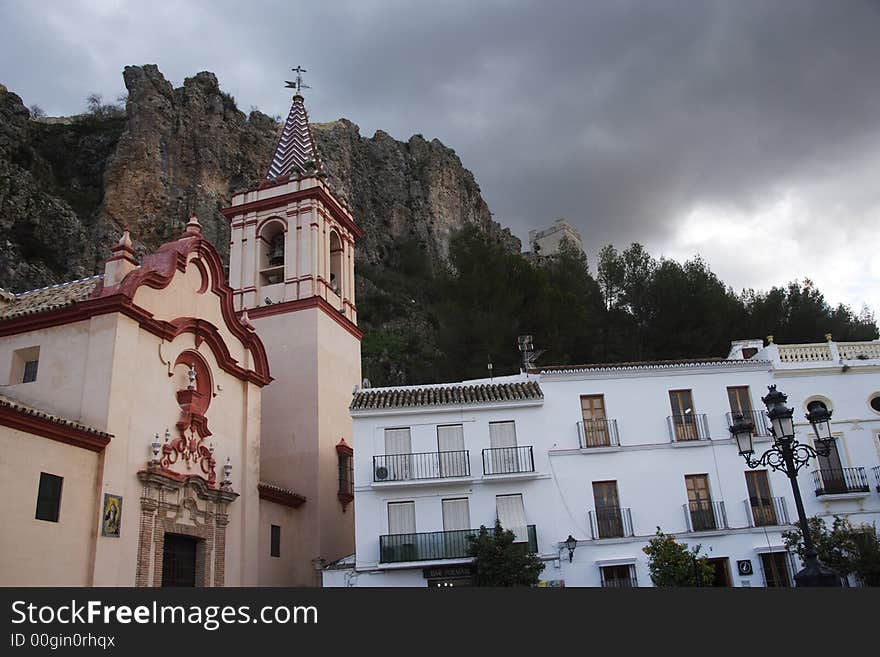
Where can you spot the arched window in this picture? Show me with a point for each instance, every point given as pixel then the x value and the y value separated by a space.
pixel 335 263
pixel 271 242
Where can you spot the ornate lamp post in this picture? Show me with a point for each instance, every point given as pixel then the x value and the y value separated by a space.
pixel 789 456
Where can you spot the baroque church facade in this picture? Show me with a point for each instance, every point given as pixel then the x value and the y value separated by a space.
pixel 162 425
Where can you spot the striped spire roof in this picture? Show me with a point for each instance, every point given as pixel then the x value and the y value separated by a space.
pixel 295 148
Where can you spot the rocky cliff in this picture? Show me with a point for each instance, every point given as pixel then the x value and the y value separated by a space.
pixel 67 187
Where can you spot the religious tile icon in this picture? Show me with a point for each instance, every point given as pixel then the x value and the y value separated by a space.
pixel 111 515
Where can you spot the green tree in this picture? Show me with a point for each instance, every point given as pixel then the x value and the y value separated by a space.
pixel 498 561
pixel 846 549
pixel 674 564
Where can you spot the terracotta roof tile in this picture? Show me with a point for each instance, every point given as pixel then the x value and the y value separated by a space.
pixel 7 402
pixel 483 393
pixel 47 298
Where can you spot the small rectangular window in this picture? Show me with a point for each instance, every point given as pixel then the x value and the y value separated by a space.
pixel 275 549
pixel 30 371
pixel 49 497
pixel 24 365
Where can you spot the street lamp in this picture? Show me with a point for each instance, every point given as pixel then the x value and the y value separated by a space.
pixel 571 544
pixel 787 455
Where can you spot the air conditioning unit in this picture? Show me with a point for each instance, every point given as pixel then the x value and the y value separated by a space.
pixel 381 473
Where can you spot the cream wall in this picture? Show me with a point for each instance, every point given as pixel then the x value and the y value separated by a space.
pixel 111 374
pixel 316 364
pixel 39 552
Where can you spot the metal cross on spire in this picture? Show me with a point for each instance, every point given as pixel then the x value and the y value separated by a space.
pixel 299 85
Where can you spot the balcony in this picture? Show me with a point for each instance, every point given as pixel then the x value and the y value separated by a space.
pixel 766 512
pixel 758 418
pixel 688 428
pixel 876 472
pixel 840 481
pixel 598 433
pixel 426 465
pixel 508 460
pixel 611 522
pixel 705 516
pixel 620 583
pixel 435 546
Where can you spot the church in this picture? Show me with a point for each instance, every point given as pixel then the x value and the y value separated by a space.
pixel 162 425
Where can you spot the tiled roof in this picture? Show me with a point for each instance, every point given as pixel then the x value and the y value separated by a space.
pixel 295 147
pixel 484 393
pixel 647 364
pixel 6 402
pixel 47 298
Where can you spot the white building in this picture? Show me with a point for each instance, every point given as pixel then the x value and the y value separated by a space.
pixel 606 454
pixel 546 242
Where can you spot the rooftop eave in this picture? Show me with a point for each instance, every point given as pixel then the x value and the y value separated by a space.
pixel 445 408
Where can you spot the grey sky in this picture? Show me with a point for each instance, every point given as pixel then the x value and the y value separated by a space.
pixel 747 132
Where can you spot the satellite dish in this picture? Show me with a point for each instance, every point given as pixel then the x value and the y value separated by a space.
pixel 365 383
pixel 381 473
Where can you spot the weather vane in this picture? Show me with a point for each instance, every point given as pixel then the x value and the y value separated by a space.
pixel 299 85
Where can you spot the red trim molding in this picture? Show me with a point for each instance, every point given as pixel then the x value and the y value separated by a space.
pixel 280 495
pixel 338 212
pixel 302 304
pixel 157 271
pixel 63 433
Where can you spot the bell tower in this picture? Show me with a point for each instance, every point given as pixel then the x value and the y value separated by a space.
pixel 292 272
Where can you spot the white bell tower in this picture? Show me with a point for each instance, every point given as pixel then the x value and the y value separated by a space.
pixel 292 271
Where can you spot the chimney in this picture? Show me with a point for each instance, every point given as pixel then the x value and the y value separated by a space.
pixel 121 262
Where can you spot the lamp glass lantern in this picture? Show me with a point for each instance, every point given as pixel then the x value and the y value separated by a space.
pixel 742 430
pixel 819 418
pixel 571 544
pixel 781 416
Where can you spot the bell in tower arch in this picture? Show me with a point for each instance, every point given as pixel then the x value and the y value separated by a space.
pixel 276 250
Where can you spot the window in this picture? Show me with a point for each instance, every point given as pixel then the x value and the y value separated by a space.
pixel 609 521
pixel 875 403
pixel 401 517
pixel 402 544
pixel 512 515
pixel 275 540
pixel 738 396
pixel 595 432
pixel 700 508
pixel 619 577
pixel 748 352
pixel 776 569
pixel 398 454
pixel 456 523
pixel 504 455
pixel 345 458
pixel 271 240
pixel 760 500
pixel 453 459
pixel 336 278
pixel 831 470
pixel 683 417
pixel 49 497
pixel 25 363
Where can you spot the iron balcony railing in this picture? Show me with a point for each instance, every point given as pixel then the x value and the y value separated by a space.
pixel 691 426
pixel 598 433
pixel 876 472
pixel 840 480
pixel 508 460
pixel 758 418
pixel 611 522
pixel 705 516
pixel 426 465
pixel 620 583
pixel 430 546
pixel 766 511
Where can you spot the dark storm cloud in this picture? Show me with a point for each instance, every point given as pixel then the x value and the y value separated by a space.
pixel 625 117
